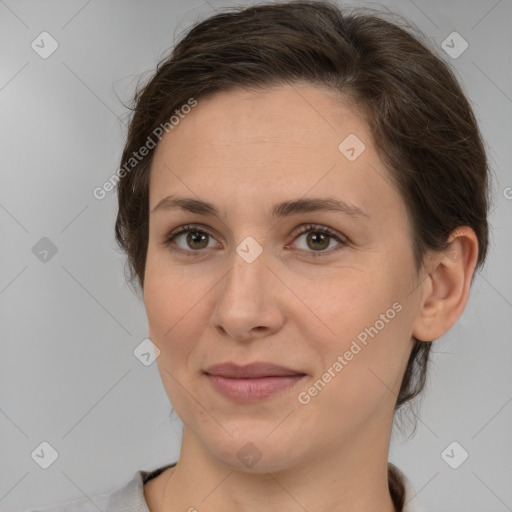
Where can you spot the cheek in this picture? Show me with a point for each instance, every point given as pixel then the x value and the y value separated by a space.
pixel 169 310
pixel 175 300
pixel 365 317
pixel 169 295
pixel 347 301
pixel 361 365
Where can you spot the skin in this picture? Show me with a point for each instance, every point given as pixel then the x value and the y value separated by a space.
pixel 245 151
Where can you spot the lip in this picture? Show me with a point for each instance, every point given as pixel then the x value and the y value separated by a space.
pixel 252 382
pixel 251 371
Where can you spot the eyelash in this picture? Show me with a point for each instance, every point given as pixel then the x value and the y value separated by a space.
pixel 305 229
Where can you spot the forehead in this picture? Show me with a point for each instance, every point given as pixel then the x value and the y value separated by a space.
pixel 282 141
pixel 299 116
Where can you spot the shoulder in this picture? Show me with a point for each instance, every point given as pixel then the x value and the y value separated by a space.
pixel 129 497
pixel 90 504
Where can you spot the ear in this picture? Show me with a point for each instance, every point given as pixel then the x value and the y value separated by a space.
pixel 445 291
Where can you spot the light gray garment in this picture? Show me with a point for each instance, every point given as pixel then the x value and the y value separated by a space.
pixel 130 497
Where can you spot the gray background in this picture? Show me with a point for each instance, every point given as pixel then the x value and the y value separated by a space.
pixel 69 326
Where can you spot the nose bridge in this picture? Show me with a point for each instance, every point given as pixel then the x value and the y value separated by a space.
pixel 244 301
pixel 245 281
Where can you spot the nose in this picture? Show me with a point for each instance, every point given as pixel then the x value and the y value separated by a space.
pixel 247 305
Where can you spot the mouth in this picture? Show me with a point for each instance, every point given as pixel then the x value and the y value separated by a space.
pixel 252 382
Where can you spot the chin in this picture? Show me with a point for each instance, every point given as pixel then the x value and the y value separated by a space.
pixel 255 453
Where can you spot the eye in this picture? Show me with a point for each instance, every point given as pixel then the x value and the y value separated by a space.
pixel 318 239
pixel 193 239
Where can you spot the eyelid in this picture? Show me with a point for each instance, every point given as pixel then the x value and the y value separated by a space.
pixel 304 228
pixel 189 227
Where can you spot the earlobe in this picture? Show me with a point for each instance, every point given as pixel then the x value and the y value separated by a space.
pixel 425 319
pixel 445 291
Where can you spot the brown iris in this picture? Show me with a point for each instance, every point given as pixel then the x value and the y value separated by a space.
pixel 194 237
pixel 314 238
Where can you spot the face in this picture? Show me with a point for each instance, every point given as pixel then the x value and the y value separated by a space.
pixel 324 292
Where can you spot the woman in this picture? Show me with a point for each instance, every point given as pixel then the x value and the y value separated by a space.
pixel 303 201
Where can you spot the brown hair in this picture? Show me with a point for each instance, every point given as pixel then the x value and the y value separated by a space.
pixel 421 122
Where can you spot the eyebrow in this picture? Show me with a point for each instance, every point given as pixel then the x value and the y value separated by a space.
pixel 278 211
